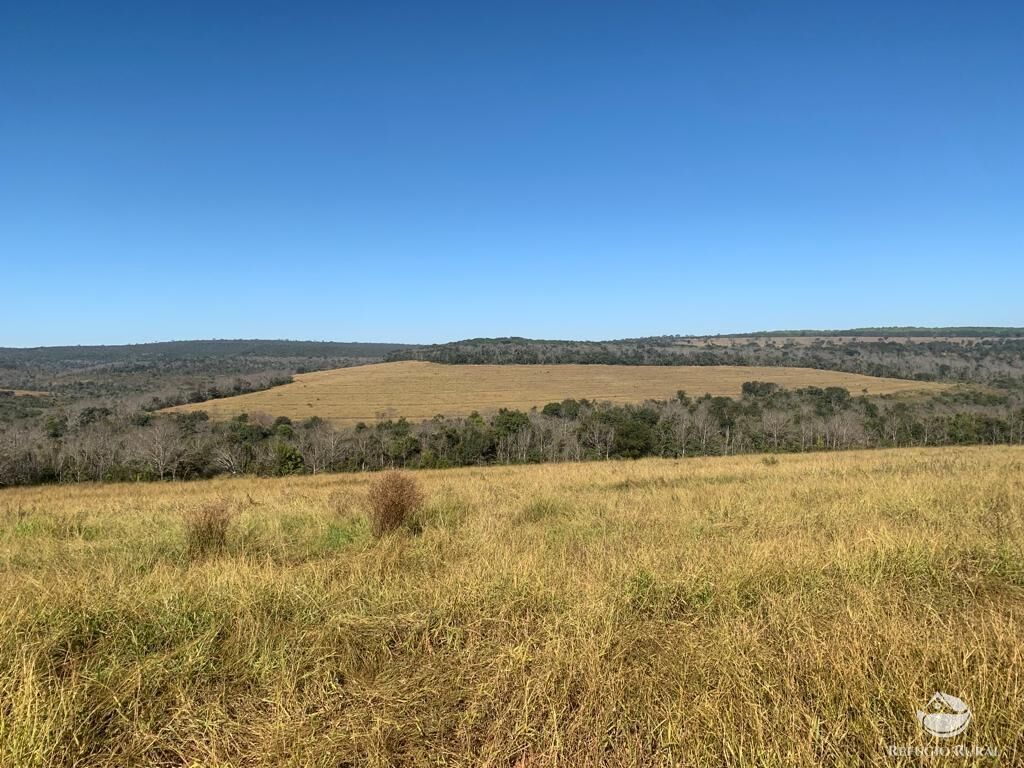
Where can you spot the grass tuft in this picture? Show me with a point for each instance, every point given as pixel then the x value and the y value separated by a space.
pixel 543 509
pixel 206 529
pixel 394 498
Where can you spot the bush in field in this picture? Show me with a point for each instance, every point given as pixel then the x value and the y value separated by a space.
pixel 394 498
pixel 206 529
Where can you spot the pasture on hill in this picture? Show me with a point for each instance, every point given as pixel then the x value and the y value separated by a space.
pixel 748 611
pixel 420 390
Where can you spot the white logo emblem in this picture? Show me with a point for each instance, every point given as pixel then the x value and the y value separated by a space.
pixel 947 716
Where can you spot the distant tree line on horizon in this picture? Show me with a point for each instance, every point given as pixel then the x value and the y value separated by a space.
pixel 898 331
pixel 997 361
pixel 103 444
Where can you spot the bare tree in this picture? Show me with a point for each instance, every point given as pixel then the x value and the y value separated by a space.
pixel 161 447
pixel 704 426
pixel 676 427
pixel 93 452
pixel 840 430
pixel 514 447
pixel 599 437
pixel 775 424
pixel 521 442
pixel 808 428
pixel 230 458
pixel 319 446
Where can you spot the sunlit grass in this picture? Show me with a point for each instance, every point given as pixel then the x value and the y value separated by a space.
pixel 695 612
pixel 419 391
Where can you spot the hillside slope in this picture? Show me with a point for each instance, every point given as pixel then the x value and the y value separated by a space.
pixel 419 390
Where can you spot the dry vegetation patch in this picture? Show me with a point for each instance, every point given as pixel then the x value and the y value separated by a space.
pixel 206 529
pixel 394 498
pixel 697 612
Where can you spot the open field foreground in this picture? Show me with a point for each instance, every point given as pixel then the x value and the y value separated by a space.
pixel 697 612
pixel 419 390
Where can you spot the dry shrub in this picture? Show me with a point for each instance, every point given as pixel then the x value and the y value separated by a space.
pixel 206 529
pixel 394 498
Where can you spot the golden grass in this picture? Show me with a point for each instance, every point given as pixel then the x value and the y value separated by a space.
pixel 418 390
pixel 25 392
pixel 706 612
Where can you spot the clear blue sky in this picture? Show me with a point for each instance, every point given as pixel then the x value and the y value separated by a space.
pixel 432 171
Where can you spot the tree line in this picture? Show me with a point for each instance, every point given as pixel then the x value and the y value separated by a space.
pixel 998 361
pixel 104 444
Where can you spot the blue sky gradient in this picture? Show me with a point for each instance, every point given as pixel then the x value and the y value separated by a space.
pixel 425 172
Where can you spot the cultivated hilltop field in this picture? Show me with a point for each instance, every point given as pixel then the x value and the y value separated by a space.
pixel 420 390
pixel 769 611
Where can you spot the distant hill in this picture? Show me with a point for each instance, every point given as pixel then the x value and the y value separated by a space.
pixel 419 391
pixel 198 350
pixel 174 371
pixel 989 355
pixel 192 370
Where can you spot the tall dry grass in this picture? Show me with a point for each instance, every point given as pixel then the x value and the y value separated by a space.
pixel 206 529
pixel 700 612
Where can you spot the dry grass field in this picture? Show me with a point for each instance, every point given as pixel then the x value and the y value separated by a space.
pixel 419 390
pixel 749 611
